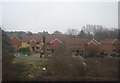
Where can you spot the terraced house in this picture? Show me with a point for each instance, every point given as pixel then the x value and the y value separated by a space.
pixel 81 44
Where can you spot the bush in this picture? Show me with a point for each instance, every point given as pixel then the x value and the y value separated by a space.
pixel 46 56
pixel 115 54
pixel 65 68
pixel 7 58
pixel 92 51
pixel 103 54
pixel 24 51
pixel 62 66
pixel 106 68
pixel 84 54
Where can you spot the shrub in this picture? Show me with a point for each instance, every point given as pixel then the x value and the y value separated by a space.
pixel 64 67
pixel 106 68
pixel 24 51
pixel 92 51
pixel 7 58
pixel 115 54
pixel 103 54
pixel 84 54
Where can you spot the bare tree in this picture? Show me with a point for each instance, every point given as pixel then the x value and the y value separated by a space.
pixel 72 32
pixel 57 33
pixel 29 33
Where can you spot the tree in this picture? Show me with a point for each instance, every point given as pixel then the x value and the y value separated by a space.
pixel 44 40
pixel 7 58
pixel 81 33
pixel 72 32
pixel 90 36
pixel 62 66
pixel 57 33
pixel 0 54
pixel 101 35
pixel 93 29
pixel 92 51
pixel 119 35
pixel 11 71
pixel 29 33
pixel 45 33
pixel 19 34
pixel 99 32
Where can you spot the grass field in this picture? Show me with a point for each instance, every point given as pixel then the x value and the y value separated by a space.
pixel 30 68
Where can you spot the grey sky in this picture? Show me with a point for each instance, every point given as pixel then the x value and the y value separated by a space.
pixel 0 14
pixel 37 17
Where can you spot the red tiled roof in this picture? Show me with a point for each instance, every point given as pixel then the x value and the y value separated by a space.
pixel 28 38
pixel 94 42
pixel 50 38
pixel 77 41
pixel 32 44
pixel 107 41
pixel 16 41
pixel 15 38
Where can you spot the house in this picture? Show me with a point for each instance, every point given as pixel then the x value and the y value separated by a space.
pixel 53 42
pixel 33 42
pixel 93 44
pixel 16 42
pixel 109 45
pixel 76 44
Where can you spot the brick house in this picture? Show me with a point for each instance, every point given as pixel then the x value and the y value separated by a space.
pixel 16 42
pixel 53 42
pixel 93 44
pixel 76 44
pixel 109 45
pixel 33 42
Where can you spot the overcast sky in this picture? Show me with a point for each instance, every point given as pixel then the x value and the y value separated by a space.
pixel 51 16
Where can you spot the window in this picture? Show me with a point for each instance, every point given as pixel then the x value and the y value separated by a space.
pixel 37 47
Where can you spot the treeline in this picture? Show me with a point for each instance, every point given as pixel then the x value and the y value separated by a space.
pixel 97 32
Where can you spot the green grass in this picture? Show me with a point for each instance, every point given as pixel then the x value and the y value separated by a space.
pixel 26 59
pixel 33 66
